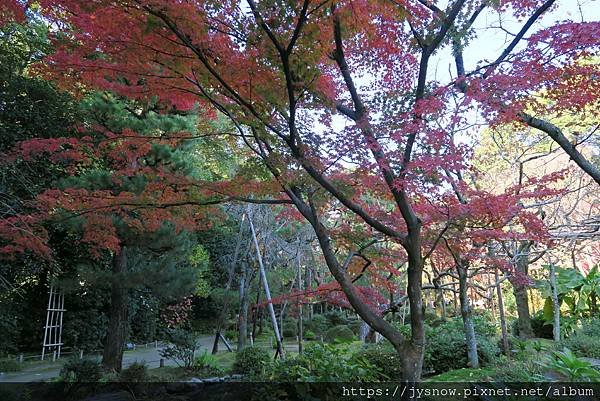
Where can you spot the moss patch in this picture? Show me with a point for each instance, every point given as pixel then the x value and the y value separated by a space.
pixel 464 375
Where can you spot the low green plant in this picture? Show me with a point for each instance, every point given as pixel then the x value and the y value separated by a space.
pixel 519 346
pixel 85 370
pixel 181 348
pixel 514 370
pixel 231 334
pixel 318 324
pixel 135 373
pixel 10 365
pixel 585 341
pixel 538 346
pixel 446 346
pixel 324 362
pixel 290 328
pixel 309 335
pixel 569 366
pixel 336 318
pixel 251 361
pixel 207 364
pixel 339 333
pixel 384 357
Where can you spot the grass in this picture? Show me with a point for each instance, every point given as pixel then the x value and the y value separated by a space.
pixel 225 359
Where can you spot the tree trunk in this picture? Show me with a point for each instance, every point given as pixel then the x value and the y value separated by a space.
pixel 112 356
pixel 257 311
pixel 520 292
pixel 555 303
pixel 440 301
pixel 465 311
pixel 243 313
pixel 300 316
pixel 454 299
pixel 261 320
pixel 502 314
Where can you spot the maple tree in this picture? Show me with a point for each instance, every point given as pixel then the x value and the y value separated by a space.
pixel 511 154
pixel 284 72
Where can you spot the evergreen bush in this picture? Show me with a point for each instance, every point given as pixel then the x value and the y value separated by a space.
pixel 251 361
pixel 339 333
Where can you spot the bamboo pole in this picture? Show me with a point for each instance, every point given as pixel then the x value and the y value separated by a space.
pixel 263 275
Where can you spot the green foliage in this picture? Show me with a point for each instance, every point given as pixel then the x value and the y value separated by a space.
pixel 8 327
pixel 519 346
pixel 540 326
pixel 585 341
pixel 463 375
pixel 384 357
pixel 206 364
pixel 182 347
pixel 77 370
pixel 318 324
pixel 324 362
pixel 31 107
pixel 569 366
pixel 144 317
pixel 251 361
pixel 341 333
pixel 446 347
pixel 354 325
pixel 309 335
pixel 516 370
pixel 581 294
pixel 10 365
pixel 290 327
pixel 134 373
pixel 231 334
pixel 200 259
pixel 335 318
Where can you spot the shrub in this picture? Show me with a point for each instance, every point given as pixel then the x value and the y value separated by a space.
pixel 336 318
pixel 585 342
pixel 231 334
pixel 250 361
pixel 591 327
pixel 431 318
pixel 290 327
pixel 309 335
pixel 339 333
pixel 324 362
pixel 446 346
pixel 134 373
pixel 384 357
pixel 354 325
pixel 206 364
pixel 181 348
pixel 318 324
pixel 10 365
pixel 77 370
pixel 517 370
pixel 9 328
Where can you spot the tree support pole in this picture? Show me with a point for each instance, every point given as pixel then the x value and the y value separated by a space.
pixel 263 276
